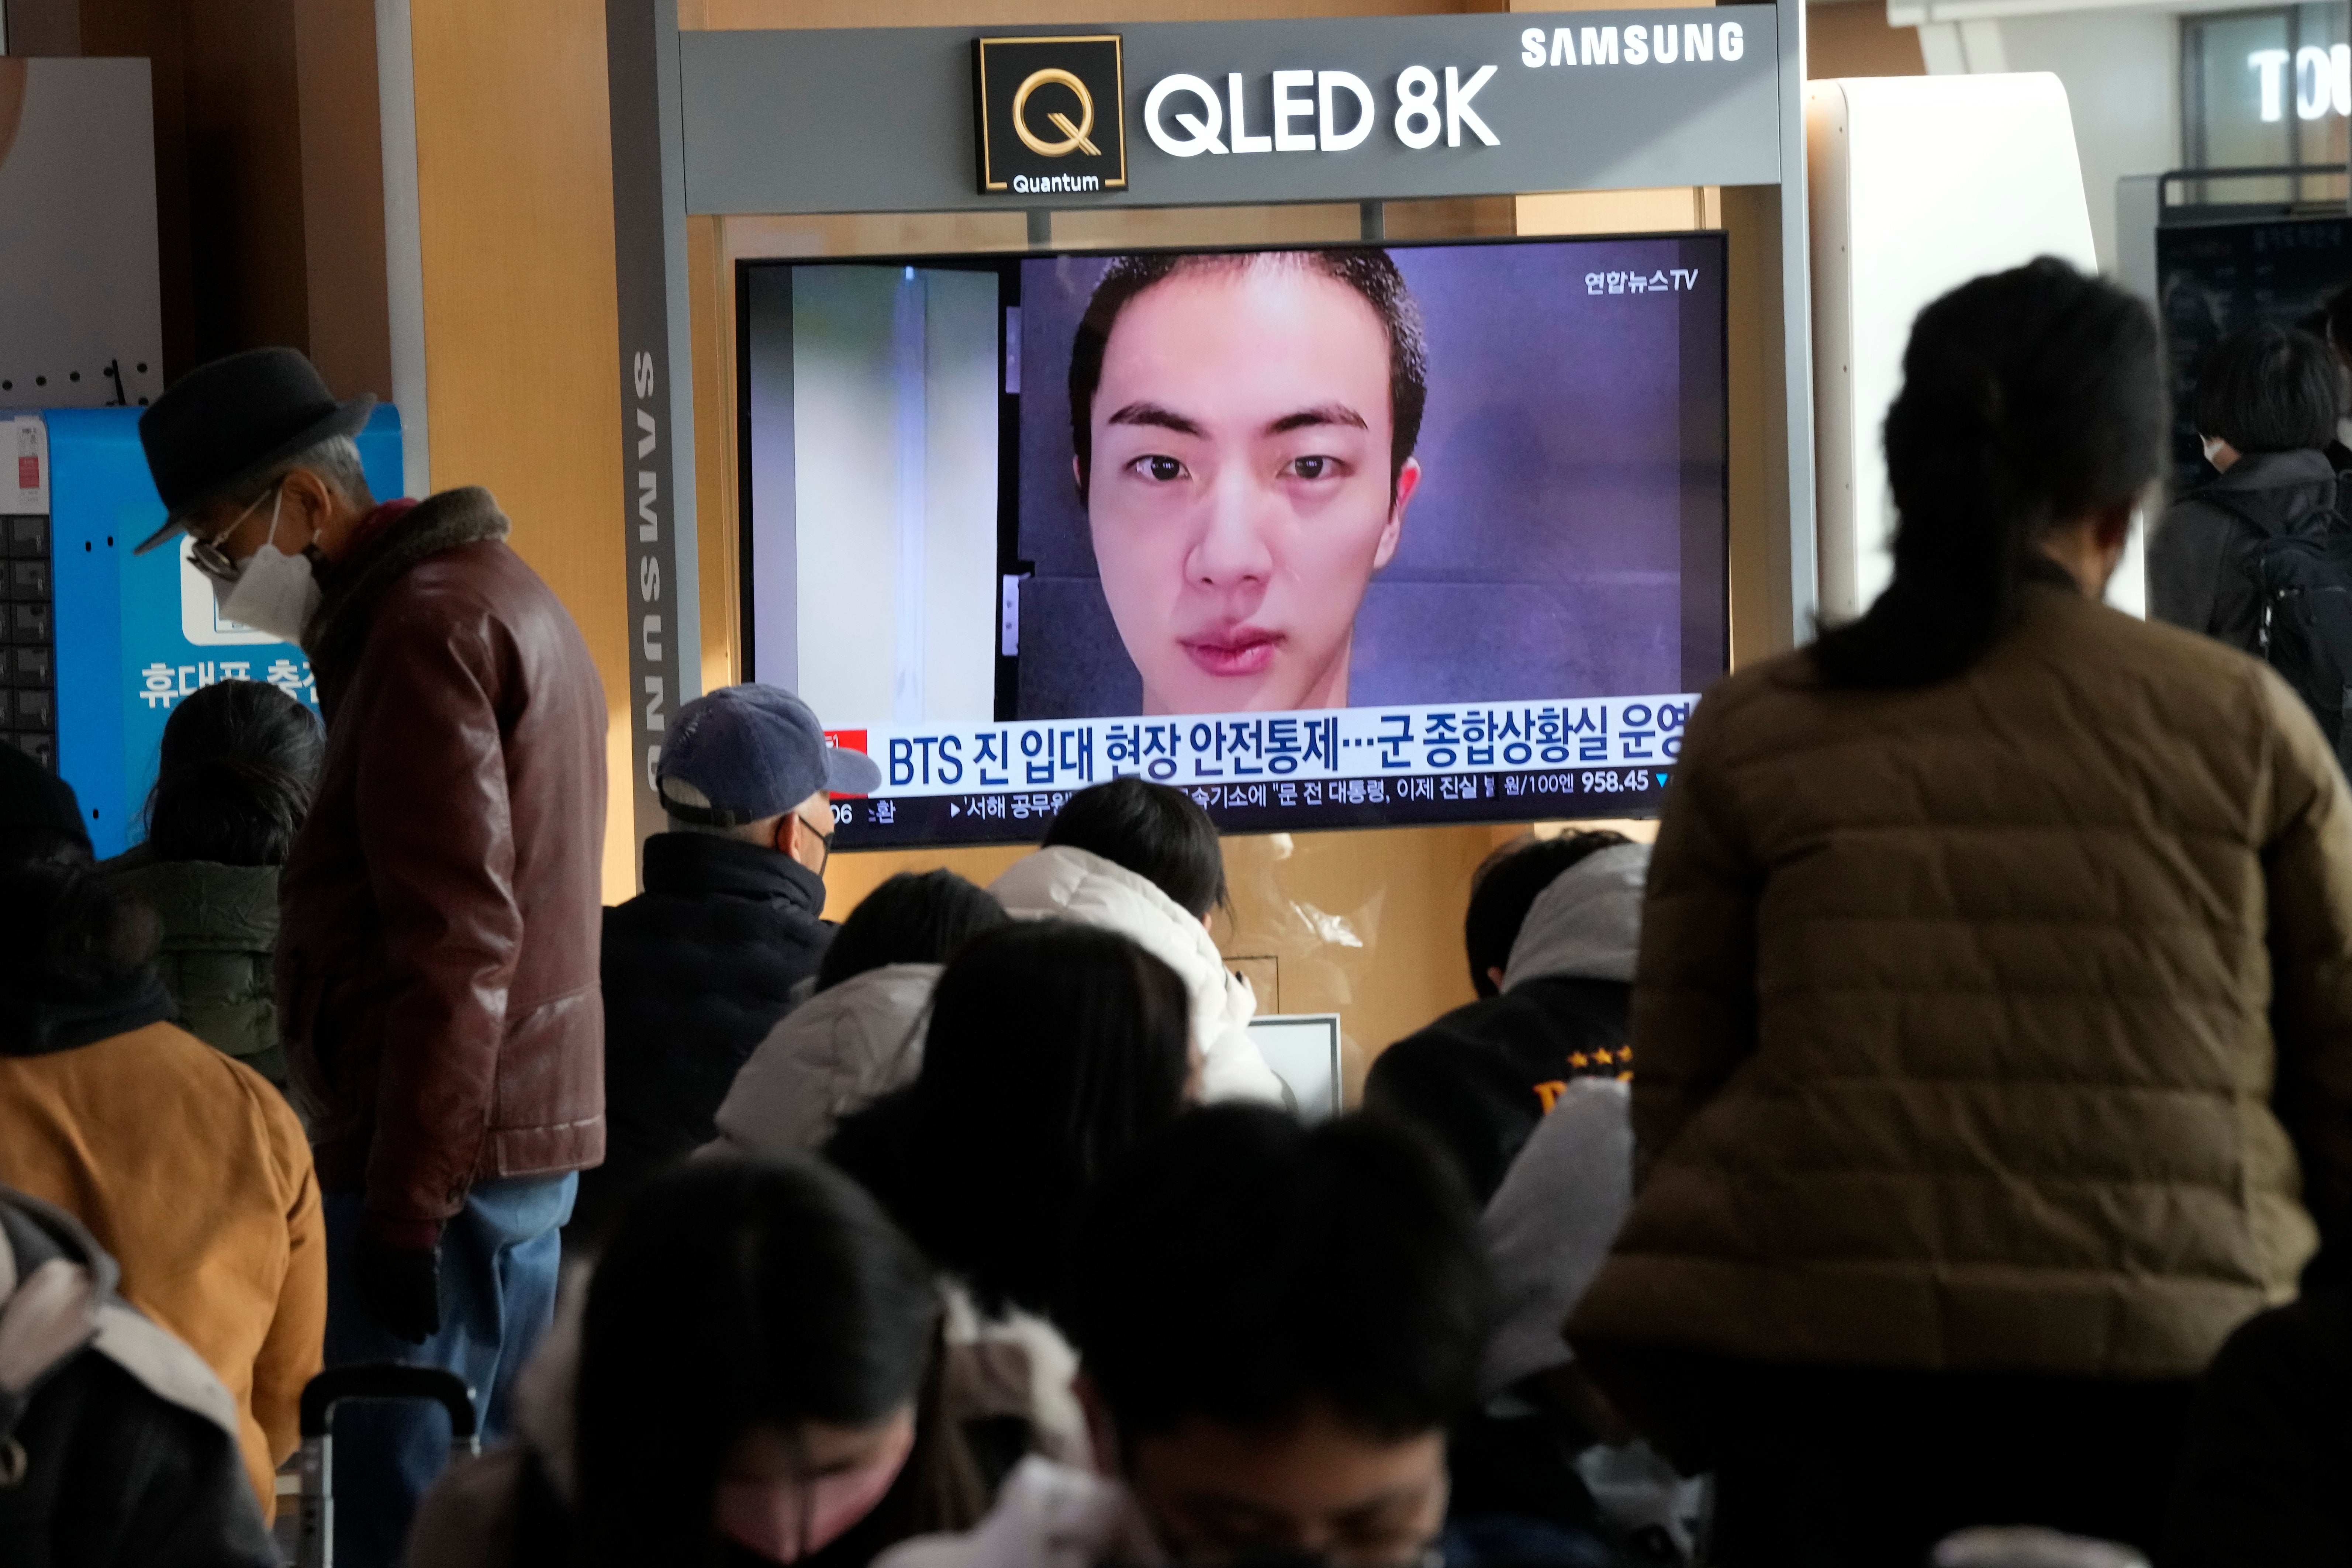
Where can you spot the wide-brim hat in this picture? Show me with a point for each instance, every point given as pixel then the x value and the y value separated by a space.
pixel 227 424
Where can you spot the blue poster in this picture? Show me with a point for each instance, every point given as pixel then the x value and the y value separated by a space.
pixel 136 634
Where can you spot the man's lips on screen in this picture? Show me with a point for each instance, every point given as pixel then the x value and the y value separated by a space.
pixel 1234 650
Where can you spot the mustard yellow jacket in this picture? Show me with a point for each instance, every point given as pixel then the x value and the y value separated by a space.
pixel 1998 1024
pixel 193 1172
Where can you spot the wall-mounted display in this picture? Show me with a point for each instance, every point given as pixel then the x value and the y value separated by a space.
pixel 1328 538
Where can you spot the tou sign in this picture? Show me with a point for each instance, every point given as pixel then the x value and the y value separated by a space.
pixel 2323 80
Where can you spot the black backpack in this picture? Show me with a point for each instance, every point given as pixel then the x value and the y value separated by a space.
pixel 2304 571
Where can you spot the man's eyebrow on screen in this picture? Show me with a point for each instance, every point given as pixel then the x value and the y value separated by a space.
pixel 1321 414
pixel 1154 415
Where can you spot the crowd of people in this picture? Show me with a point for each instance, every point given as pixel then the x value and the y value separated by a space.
pixel 1936 1147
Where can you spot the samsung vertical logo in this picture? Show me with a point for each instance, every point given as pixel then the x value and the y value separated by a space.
pixel 649 582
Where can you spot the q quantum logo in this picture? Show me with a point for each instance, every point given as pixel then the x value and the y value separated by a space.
pixel 1053 118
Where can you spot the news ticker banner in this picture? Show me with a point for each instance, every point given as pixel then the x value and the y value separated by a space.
pixel 1265 772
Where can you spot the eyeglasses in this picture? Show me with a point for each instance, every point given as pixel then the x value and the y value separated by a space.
pixel 206 555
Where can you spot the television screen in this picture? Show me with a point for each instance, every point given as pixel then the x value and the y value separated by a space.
pixel 1328 538
pixel 2213 279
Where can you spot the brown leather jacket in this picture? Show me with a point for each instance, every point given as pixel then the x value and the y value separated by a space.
pixel 436 963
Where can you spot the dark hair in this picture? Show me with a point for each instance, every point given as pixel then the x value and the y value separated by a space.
pixel 1368 271
pixel 241 761
pixel 67 935
pixel 2267 389
pixel 2028 396
pixel 26 846
pixel 912 917
pixel 1244 1269
pixel 1053 1049
pixel 2335 320
pixel 1506 885
pixel 1162 835
pixel 734 1294
pixel 40 819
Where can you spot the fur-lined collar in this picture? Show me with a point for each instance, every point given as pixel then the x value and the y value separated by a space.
pixel 351 593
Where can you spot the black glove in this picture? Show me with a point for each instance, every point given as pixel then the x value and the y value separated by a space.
pixel 401 1287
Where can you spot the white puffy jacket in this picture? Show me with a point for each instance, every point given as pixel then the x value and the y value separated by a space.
pixel 835 1053
pixel 1047 1516
pixel 1070 884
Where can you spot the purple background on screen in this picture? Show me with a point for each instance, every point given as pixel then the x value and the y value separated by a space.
pixel 1571 443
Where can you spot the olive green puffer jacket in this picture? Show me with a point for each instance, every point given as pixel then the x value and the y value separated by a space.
pixel 220 932
pixel 2005 1024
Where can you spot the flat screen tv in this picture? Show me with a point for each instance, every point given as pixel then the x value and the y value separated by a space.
pixel 1328 538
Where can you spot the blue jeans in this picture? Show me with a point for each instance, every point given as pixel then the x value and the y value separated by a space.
pixel 499 1258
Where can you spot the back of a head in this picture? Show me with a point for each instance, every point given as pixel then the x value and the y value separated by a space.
pixel 2267 389
pixel 1504 888
pixel 1053 1049
pixel 734 1294
pixel 913 918
pixel 240 761
pixel 69 936
pixel 1244 1269
pixel 2336 319
pixel 40 819
pixel 2029 397
pixel 1162 835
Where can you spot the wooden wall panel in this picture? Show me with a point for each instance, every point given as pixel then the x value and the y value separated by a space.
pixel 710 302
pixel 521 339
pixel 1851 38
pixel 349 316
pixel 245 177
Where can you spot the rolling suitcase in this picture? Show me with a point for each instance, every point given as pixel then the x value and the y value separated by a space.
pixel 381 1380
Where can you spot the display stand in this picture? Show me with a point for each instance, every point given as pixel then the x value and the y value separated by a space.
pixel 876 121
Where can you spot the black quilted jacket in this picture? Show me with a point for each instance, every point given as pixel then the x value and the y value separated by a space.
pixel 698 968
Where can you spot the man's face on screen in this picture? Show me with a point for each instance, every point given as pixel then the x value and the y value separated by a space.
pixel 1240 495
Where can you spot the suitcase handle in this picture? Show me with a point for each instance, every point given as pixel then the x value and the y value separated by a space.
pixel 387 1380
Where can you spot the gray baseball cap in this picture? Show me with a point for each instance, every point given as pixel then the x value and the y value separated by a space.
pixel 752 752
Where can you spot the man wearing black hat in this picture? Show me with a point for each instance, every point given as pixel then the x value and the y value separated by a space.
pixel 701 964
pixel 436 971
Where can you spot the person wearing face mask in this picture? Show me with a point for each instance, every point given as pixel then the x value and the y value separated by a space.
pixel 701 964
pixel 755 1379
pixel 436 961
pixel 2265 409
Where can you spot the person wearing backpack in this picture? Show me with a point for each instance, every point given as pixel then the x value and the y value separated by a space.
pixel 2266 406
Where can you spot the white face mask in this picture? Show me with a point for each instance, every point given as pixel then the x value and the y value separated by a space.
pixel 273 592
